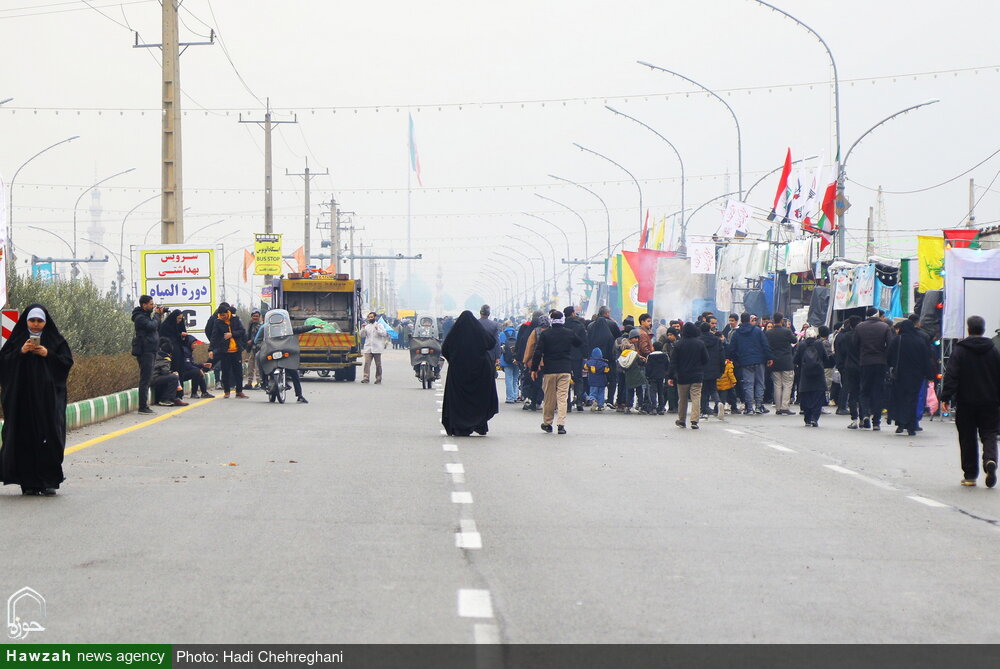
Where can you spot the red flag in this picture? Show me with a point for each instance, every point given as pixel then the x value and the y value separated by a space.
pixel 782 184
pixel 247 263
pixel 644 237
pixel 962 238
pixel 829 205
pixel 643 263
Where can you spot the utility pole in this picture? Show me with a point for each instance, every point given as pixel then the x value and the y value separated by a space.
pixel 972 203
pixel 307 176
pixel 870 235
pixel 172 183
pixel 267 123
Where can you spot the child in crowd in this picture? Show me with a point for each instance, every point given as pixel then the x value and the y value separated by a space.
pixel 726 385
pixel 656 378
pixel 597 369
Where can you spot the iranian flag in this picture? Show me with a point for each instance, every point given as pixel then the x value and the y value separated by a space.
pixel 827 223
pixel 811 207
pixel 783 191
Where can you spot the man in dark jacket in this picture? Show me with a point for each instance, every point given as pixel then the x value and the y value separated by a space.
pixel 748 349
pixel 576 325
pixel 493 329
pixel 845 348
pixel 713 368
pixel 523 334
pixel 781 340
pixel 229 338
pixel 872 339
pixel 554 349
pixel 972 381
pixel 687 364
pixel 602 333
pixel 145 344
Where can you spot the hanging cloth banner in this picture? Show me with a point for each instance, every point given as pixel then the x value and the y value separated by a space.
pixel 642 265
pixel 865 286
pixel 930 253
pixel 735 218
pixel 702 256
pixel 973 280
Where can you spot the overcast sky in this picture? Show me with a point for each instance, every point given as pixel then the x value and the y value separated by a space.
pixel 498 92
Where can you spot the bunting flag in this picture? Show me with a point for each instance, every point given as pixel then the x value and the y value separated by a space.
pixel 644 237
pixel 782 185
pixel 247 263
pixel 414 156
pixel 299 255
pixel 660 231
pixel 811 208
pixel 961 238
pixel 930 254
pixel 642 266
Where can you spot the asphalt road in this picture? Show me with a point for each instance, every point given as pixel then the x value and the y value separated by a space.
pixel 353 519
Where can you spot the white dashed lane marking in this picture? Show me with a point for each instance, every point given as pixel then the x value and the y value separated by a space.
pixel 468 540
pixel 454 468
pixel 862 477
pixel 475 603
pixel 461 497
pixel 732 431
pixel 450 447
pixel 779 447
pixel 928 501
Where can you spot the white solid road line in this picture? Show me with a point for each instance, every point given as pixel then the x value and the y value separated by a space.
pixel 732 431
pixel 485 633
pixel 461 497
pixel 779 447
pixel 475 603
pixel 454 468
pixel 929 502
pixel 450 447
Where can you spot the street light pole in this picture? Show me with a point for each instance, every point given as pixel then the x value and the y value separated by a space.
pixel 524 272
pixel 679 159
pixel 540 256
pixel 739 133
pixel 118 259
pixel 841 234
pixel 87 190
pixel 555 289
pixel 607 215
pixel 569 273
pixel 121 234
pixel 10 191
pixel 631 176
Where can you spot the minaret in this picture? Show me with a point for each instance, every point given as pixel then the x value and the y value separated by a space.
pixel 95 232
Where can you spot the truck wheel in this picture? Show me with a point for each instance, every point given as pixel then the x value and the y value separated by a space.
pixel 324 373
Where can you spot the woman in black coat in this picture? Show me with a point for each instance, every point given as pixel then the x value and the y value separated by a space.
pixel 174 328
pixel 470 389
pixel 34 366
pixel 909 358
pixel 810 363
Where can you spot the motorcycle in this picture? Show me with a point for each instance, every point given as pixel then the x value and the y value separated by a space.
pixel 279 351
pixel 425 351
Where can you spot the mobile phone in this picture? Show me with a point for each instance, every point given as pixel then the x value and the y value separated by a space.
pixel 35 338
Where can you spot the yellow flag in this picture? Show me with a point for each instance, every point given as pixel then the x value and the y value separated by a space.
pixel 658 243
pixel 930 252
pixel 629 286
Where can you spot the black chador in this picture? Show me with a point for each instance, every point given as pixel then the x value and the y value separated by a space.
pixel 470 390
pixel 33 395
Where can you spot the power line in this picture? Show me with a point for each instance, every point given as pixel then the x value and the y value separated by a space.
pixel 921 190
pixel 77 8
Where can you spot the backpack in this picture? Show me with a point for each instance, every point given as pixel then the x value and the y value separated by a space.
pixel 811 363
pixel 507 350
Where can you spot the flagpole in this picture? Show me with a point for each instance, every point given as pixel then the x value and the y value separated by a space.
pixel 409 222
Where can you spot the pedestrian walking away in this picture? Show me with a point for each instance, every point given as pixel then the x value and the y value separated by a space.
pixel 553 353
pixel 146 319
pixel 470 389
pixel 376 337
pixel 781 340
pixel 492 329
pixel 598 369
pixel 687 365
pixel 810 359
pixel 972 383
pixel 34 366
pixel 910 369
pixel 845 350
pixel 872 337
pixel 750 352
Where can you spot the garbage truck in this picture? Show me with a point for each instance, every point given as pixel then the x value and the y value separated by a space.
pixel 333 302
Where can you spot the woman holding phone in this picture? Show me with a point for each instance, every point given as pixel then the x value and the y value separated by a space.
pixel 34 366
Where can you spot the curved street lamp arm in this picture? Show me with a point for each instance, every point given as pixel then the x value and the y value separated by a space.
pixel 867 132
pixel 671 144
pixel 68 245
pixel 586 238
pixel 87 190
pixel 121 235
pixel 607 212
pixel 632 176
pixel 739 132
pixel 545 220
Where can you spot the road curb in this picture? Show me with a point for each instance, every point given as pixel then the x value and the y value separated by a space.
pixel 99 409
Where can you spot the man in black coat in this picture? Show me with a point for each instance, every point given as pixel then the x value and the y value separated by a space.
pixel 782 340
pixel 712 369
pixel 523 332
pixel 554 351
pixel 576 325
pixel 146 319
pixel 687 364
pixel 972 380
pixel 872 337
pixel 602 333
pixel 845 348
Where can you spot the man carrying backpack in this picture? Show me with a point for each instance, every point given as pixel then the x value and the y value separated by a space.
pixel 508 362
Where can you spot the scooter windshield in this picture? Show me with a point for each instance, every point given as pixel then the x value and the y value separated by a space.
pixel 426 327
pixel 277 324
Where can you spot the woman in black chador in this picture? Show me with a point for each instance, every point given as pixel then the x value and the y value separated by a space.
pixel 470 391
pixel 34 366
pixel 910 359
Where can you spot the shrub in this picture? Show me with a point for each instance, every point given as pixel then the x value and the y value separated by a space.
pixel 97 375
pixel 92 323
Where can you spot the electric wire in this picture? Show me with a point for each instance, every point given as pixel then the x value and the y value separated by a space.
pixel 921 190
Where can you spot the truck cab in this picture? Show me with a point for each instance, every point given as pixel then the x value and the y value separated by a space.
pixel 336 299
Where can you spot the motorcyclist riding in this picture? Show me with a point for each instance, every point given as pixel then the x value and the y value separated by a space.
pixel 277 330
